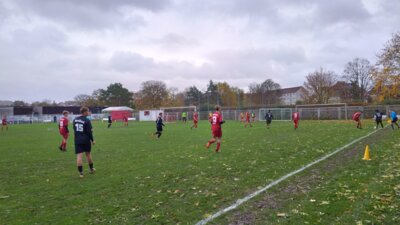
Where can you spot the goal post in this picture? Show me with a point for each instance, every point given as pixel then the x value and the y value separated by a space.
pixel 172 114
pixel 284 114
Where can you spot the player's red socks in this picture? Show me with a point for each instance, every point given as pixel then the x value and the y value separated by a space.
pixel 218 146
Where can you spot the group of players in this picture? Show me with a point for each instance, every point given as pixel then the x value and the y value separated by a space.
pixel 378 116
pixel 84 136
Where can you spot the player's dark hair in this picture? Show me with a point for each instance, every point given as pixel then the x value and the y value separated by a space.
pixel 160 114
pixel 217 107
pixel 65 112
pixel 84 109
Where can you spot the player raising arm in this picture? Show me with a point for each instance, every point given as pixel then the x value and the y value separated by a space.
pixel 83 140
pixel 216 122
pixel 64 132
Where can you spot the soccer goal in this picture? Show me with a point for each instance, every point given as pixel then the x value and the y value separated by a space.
pixel 172 114
pixel 278 113
pixel 333 111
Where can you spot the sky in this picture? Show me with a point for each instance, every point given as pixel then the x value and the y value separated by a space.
pixel 57 49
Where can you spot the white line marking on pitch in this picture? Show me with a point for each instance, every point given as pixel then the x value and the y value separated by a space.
pixel 275 182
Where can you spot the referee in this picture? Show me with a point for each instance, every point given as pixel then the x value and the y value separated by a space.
pixel 83 140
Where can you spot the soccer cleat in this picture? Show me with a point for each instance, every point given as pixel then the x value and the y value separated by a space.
pixel 61 149
pixel 92 171
pixel 80 175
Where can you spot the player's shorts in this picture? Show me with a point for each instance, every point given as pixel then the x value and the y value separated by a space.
pixel 394 120
pixel 269 121
pixel 248 120
pixel 159 128
pixel 217 133
pixel 64 134
pixel 79 148
pixel 195 121
pixel 357 119
pixel 4 124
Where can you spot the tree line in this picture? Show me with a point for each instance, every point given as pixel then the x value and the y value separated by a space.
pixel 360 81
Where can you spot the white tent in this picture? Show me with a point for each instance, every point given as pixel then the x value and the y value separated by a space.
pixel 117 108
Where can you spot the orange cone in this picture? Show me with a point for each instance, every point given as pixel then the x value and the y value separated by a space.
pixel 366 153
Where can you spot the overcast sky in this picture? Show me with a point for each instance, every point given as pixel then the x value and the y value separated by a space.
pixel 57 49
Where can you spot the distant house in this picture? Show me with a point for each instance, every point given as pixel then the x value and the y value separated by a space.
pixel 341 92
pixel 289 96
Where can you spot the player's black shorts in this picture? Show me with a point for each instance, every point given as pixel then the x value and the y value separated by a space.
pixel 159 129
pixel 269 121
pixel 394 120
pixel 79 148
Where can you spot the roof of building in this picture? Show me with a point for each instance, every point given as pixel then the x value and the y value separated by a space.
pixel 290 90
pixel 117 108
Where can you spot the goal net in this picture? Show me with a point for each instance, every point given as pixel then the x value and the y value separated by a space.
pixel 172 114
pixel 278 113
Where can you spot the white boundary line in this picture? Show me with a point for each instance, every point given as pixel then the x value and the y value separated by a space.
pixel 275 182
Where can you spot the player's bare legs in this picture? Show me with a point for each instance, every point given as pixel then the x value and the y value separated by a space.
pixel 79 164
pixel 210 142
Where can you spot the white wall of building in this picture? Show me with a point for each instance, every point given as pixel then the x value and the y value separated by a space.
pixel 150 116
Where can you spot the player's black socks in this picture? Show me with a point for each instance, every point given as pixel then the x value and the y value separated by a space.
pixel 159 134
pixel 80 169
pixel 91 166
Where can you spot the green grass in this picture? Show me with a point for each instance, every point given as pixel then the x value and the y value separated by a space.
pixel 140 180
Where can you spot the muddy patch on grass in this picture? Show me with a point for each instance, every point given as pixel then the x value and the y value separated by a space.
pixel 302 183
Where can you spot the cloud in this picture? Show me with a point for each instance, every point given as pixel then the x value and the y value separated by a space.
pixel 91 14
pixel 89 44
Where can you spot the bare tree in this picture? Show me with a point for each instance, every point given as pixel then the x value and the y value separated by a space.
pixel 359 73
pixel 319 86
pixel 270 93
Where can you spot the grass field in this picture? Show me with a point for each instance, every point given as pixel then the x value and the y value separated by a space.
pixel 174 180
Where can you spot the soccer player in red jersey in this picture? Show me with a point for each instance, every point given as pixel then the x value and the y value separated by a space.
pixel 195 120
pixel 296 118
pixel 357 117
pixel 216 122
pixel 4 123
pixel 64 132
pixel 125 120
pixel 248 122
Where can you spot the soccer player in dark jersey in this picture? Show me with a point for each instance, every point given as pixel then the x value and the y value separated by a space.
pixel 4 123
pixel 64 132
pixel 109 121
pixel 159 126
pixel 357 117
pixel 268 118
pixel 378 118
pixel 195 120
pixel 216 122
pixel 296 118
pixel 83 140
